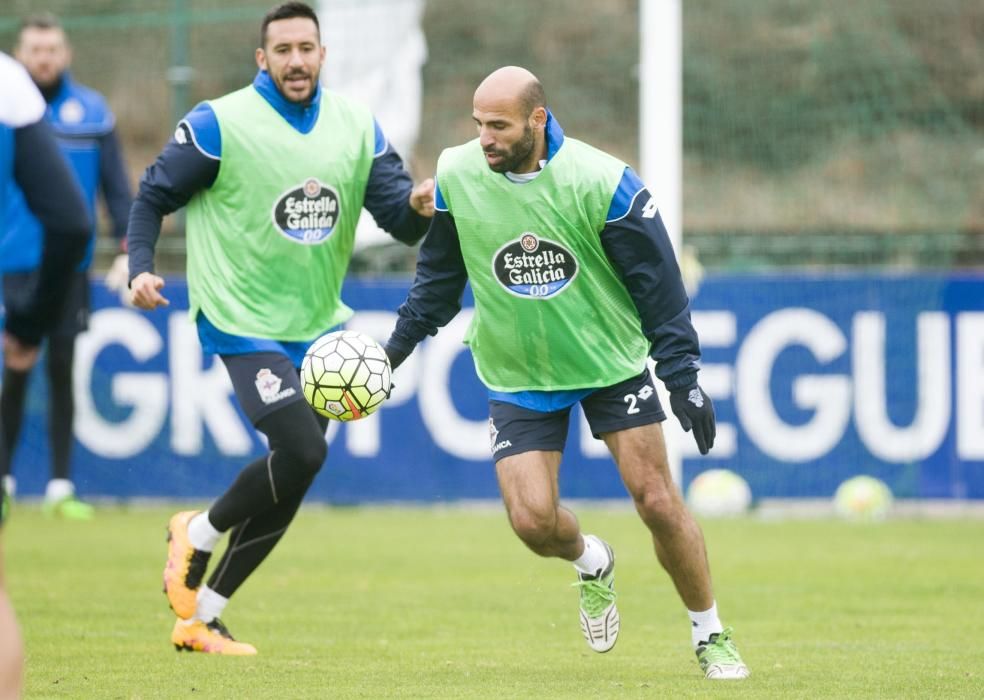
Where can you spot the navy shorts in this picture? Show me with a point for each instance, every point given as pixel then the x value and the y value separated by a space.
pixel 628 404
pixel 73 316
pixel 264 382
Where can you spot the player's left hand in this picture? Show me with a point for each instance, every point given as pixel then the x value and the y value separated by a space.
pixel 694 410
pixel 422 198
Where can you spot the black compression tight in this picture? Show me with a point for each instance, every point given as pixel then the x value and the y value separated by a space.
pixel 12 398
pixel 265 496
pixel 61 403
pixel 251 541
pixel 61 407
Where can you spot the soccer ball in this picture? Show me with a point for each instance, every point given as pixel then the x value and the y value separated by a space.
pixel 719 493
pixel 345 375
pixel 863 498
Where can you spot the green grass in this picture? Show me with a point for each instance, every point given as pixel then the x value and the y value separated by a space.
pixel 446 603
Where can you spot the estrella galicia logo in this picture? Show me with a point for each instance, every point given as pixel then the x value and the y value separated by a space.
pixel 534 267
pixel 307 214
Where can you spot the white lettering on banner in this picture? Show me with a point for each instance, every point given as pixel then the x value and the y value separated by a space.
pixel 829 396
pixel 970 385
pixel 201 398
pixel 932 417
pixel 145 392
pixel 458 436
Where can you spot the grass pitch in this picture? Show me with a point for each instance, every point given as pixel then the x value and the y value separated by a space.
pixel 446 603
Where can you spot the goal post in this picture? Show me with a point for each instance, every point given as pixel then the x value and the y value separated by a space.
pixel 661 140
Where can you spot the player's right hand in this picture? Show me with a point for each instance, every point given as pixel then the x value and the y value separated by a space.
pixel 422 198
pixel 146 291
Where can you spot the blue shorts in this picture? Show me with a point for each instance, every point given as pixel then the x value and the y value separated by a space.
pixel 628 404
pixel 263 381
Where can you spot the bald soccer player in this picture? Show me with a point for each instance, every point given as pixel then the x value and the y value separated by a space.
pixel 575 284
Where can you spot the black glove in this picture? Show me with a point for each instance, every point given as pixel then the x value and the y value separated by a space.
pixel 693 408
pixel 395 358
pixel 395 354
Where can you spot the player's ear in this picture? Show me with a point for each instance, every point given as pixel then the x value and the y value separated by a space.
pixel 261 59
pixel 538 118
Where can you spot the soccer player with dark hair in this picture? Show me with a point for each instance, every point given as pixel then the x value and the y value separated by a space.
pixel 274 177
pixel 575 283
pixel 31 165
pixel 85 128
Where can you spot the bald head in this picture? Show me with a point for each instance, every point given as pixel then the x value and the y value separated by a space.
pixel 511 114
pixel 511 88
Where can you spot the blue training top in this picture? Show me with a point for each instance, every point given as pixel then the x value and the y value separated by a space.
pixel 81 121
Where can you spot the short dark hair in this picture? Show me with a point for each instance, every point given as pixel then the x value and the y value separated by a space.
pixel 532 97
pixel 288 10
pixel 39 20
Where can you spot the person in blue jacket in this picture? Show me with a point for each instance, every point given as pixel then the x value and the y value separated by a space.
pixel 85 129
pixel 31 163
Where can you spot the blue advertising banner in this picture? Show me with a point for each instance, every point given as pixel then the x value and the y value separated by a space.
pixel 814 378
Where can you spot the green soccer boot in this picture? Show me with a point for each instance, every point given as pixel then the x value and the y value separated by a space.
pixel 719 658
pixel 599 616
pixel 69 508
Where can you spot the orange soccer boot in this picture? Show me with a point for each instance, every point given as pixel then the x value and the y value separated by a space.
pixel 185 567
pixel 209 638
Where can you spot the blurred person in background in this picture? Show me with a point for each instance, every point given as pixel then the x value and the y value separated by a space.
pixel 85 128
pixel 31 166
pixel 270 235
pixel 575 284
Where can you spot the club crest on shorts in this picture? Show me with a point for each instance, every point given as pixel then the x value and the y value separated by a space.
pixel 494 442
pixel 534 267
pixel 307 213
pixel 268 386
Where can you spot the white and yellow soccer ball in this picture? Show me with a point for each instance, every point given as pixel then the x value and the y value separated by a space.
pixel 345 375
pixel 717 493
pixel 863 498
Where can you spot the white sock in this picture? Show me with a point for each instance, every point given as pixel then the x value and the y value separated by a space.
pixel 10 485
pixel 704 624
pixel 210 604
pixel 201 534
pixel 594 559
pixel 58 489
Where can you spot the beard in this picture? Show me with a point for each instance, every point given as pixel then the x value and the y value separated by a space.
pixel 281 83
pixel 515 155
pixel 48 80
